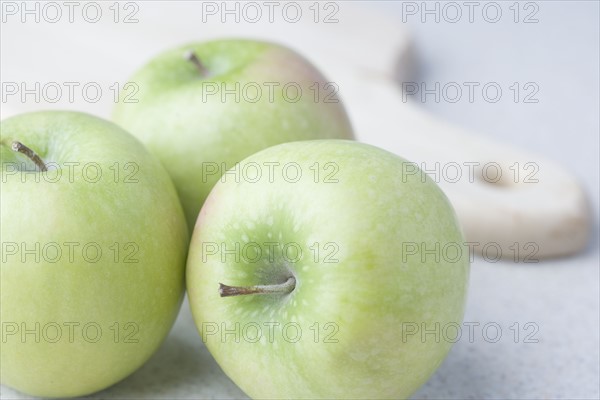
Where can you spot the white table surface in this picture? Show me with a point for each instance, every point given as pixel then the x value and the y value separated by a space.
pixel 561 297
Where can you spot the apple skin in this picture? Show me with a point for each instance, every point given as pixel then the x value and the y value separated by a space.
pixel 188 131
pixel 367 296
pixel 146 294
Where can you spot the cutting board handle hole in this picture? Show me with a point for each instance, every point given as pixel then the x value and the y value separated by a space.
pixel 495 174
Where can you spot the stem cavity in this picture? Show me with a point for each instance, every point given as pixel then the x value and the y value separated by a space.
pixel 193 58
pixel 283 288
pixel 21 148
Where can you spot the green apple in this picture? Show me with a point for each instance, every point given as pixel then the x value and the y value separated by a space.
pixel 94 243
pixel 317 279
pixel 203 107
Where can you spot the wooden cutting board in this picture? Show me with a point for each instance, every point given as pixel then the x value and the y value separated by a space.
pixel 535 209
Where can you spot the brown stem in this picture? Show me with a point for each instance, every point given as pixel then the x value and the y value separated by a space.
pixel 284 288
pixel 193 58
pixel 21 148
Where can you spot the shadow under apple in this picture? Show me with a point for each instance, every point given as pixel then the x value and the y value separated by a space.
pixel 181 368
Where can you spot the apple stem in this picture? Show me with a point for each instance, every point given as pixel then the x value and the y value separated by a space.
pixel 21 148
pixel 193 58
pixel 286 287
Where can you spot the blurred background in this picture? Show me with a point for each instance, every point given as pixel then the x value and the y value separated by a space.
pixel 535 325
